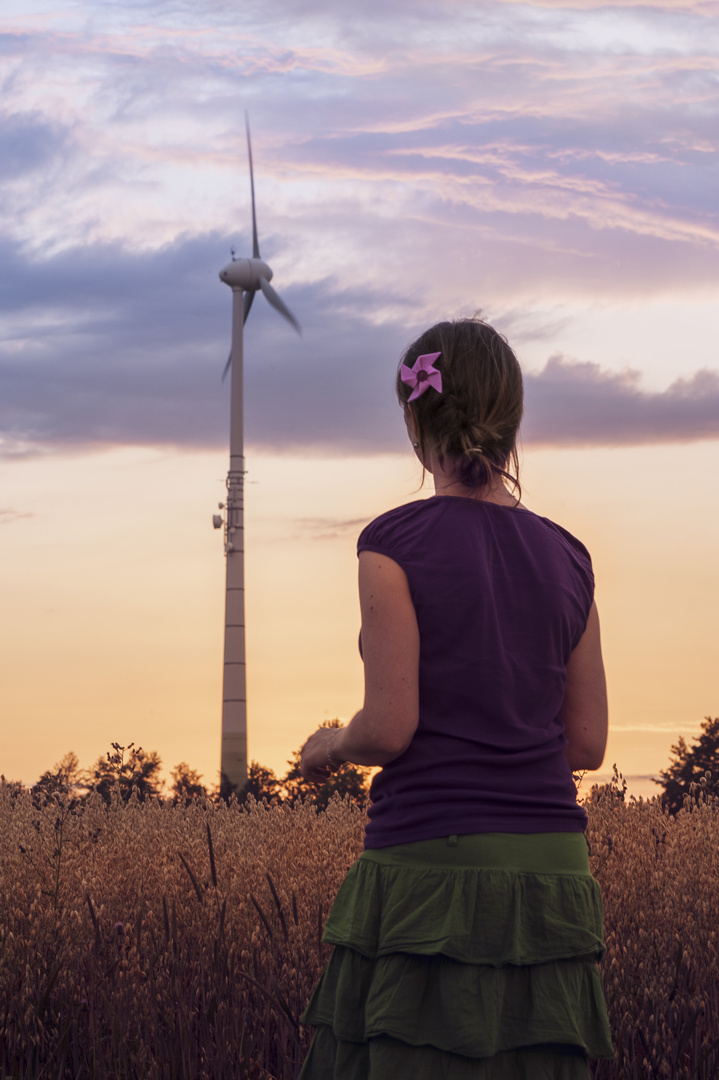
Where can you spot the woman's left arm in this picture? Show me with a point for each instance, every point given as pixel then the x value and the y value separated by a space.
pixel 384 726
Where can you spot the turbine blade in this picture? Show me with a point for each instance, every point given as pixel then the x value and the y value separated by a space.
pixel 247 302
pixel 255 242
pixel 227 366
pixel 274 299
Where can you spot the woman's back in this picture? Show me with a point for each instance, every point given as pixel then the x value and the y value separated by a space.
pixel 502 598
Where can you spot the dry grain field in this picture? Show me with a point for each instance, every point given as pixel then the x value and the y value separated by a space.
pixel 176 942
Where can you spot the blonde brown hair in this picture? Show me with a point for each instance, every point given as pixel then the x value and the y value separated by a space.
pixel 474 421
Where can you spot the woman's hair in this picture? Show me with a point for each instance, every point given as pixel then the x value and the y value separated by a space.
pixel 474 421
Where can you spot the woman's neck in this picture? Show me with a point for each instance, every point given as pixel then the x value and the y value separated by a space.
pixel 447 483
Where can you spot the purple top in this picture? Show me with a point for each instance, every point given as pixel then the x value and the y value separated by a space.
pixel 502 598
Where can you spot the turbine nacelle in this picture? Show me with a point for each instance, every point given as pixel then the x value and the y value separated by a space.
pixel 253 275
pixel 245 274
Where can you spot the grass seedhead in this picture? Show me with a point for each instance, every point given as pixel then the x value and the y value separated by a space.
pixel 110 970
pixel 193 879
pixel 213 868
pixel 265 920
pixel 278 905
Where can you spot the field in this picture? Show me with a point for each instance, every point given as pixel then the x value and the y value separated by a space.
pixel 178 942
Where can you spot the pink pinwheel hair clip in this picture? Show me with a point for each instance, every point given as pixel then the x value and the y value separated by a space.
pixel 422 375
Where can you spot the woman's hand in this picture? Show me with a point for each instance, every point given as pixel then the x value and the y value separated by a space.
pixel 316 760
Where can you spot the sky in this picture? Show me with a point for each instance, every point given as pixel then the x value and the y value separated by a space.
pixel 552 165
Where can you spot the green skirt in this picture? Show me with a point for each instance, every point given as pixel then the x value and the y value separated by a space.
pixel 463 958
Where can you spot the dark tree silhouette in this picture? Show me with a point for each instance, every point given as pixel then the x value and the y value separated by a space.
pixel 352 780
pixel 65 778
pixel 140 770
pixel 14 788
pixel 186 783
pixel 690 765
pixel 261 783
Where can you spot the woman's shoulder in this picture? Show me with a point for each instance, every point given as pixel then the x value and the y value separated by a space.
pixel 566 538
pixel 397 528
pixel 443 521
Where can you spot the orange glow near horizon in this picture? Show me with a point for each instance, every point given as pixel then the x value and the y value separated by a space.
pixel 114 587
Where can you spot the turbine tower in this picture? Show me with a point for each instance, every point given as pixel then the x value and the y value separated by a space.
pixel 245 277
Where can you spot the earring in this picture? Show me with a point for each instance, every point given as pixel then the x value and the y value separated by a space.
pixel 415 445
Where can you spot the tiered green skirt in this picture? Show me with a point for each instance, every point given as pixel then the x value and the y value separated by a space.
pixel 463 958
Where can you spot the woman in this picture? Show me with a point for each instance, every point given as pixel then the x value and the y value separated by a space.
pixel 466 935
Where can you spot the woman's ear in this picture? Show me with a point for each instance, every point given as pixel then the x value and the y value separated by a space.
pixel 413 436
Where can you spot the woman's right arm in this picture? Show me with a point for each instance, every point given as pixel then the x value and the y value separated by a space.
pixel 384 726
pixel 584 709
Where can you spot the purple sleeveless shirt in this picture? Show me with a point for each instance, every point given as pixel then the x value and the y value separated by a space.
pixel 502 598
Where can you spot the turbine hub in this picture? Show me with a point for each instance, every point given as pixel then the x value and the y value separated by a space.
pixel 245 274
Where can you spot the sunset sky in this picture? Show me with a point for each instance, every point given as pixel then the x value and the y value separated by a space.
pixel 555 165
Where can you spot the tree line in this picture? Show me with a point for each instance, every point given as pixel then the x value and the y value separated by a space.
pixel 128 768
pixel 692 768
pixel 125 769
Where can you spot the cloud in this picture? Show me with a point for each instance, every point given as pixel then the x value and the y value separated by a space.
pixel 570 147
pixel 28 143
pixel 414 159
pixel 103 346
pixel 571 403
pixel 9 516
pixel 708 8
pixel 325 528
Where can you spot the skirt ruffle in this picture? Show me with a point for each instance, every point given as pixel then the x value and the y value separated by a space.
pixel 476 915
pixel 388 1059
pixel 459 973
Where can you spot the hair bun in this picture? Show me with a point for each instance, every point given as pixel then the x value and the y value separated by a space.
pixel 475 420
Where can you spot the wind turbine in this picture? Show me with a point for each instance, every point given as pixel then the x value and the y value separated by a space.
pixel 245 277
